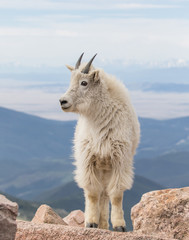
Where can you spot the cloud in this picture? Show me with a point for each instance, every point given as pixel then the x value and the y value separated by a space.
pixel 54 32
pixel 80 5
pixel 33 32
pixel 144 6
pixel 30 4
pixel 56 42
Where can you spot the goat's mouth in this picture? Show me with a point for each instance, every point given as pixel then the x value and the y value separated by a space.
pixel 64 108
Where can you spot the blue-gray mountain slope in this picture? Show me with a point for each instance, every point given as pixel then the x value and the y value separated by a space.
pixel 35 153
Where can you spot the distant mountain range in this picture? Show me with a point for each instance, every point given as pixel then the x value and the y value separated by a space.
pixel 24 136
pixel 132 73
pixel 35 153
pixel 170 170
pixel 159 137
pixel 165 87
pixel 136 77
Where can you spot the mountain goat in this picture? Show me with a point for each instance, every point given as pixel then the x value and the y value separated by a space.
pixel 106 137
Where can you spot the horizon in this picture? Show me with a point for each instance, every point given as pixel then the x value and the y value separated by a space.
pixel 77 116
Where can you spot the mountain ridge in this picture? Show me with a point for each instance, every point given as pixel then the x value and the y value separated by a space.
pixel 40 150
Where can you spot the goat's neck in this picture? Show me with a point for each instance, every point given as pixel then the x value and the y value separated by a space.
pixel 103 116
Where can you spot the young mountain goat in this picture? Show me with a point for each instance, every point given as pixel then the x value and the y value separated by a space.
pixel 106 137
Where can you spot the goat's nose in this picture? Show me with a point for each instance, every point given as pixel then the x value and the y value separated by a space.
pixel 62 102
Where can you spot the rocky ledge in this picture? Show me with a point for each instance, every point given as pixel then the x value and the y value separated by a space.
pixel 33 231
pixel 160 215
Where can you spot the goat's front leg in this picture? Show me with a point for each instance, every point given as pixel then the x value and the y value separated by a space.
pixel 91 209
pixel 117 214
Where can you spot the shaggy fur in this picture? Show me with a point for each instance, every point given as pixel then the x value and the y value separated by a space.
pixel 106 137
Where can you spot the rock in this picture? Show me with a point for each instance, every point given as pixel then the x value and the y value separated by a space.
pixel 8 214
pixel 33 231
pixel 75 218
pixel 164 212
pixel 45 214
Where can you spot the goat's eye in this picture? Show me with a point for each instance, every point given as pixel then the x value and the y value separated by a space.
pixel 84 83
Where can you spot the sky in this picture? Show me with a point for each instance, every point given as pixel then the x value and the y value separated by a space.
pixel 52 32
pixel 44 35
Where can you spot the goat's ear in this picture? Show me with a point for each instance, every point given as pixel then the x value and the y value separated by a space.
pixel 95 75
pixel 70 67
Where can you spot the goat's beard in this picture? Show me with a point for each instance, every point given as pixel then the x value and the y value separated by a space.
pixel 82 108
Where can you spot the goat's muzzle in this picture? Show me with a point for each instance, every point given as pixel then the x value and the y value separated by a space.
pixel 64 104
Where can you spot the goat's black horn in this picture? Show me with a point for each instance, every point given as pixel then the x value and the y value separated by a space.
pixel 78 61
pixel 87 67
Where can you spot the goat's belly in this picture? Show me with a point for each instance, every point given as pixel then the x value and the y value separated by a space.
pixel 102 163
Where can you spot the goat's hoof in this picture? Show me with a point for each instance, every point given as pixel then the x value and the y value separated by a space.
pixel 91 225
pixel 120 229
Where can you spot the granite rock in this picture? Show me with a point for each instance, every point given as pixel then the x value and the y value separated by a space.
pixel 164 212
pixel 8 214
pixel 45 214
pixel 75 218
pixel 33 231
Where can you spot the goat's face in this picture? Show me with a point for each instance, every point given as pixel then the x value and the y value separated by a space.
pixel 83 90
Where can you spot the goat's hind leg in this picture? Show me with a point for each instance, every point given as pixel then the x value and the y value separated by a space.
pixel 117 215
pixel 104 211
pixel 91 209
